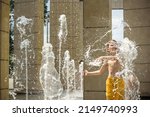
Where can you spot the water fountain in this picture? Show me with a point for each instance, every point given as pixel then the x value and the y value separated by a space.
pixel 81 69
pixel 25 45
pixel 62 84
pixel 62 36
pixel 65 72
pixel 24 26
pixel 69 76
pixel 25 52
pixel 49 77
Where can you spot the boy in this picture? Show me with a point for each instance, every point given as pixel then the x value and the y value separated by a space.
pixel 114 84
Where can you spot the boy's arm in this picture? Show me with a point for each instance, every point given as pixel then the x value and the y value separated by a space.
pixel 97 72
pixel 102 58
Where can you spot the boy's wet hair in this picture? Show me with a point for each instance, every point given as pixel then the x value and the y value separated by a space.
pixel 110 42
pixel 107 44
pixel 114 40
pixel 81 61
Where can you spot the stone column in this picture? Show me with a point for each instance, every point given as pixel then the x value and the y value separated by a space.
pixel 4 48
pixel 32 9
pixel 97 25
pixel 136 14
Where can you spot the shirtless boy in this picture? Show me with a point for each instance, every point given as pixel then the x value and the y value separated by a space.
pixel 114 84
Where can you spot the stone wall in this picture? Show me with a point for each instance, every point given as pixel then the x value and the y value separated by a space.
pixel 97 23
pixel 136 14
pixel 4 48
pixel 32 9
pixel 117 4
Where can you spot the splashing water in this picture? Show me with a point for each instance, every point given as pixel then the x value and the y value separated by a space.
pixel 62 84
pixel 81 68
pixel 68 75
pixel 24 25
pixel 62 35
pixel 95 63
pixel 91 49
pixel 65 69
pixel 20 70
pixel 63 32
pixel 127 54
pixel 89 60
pixel 49 77
pixel 24 45
pixel 100 39
pixel 125 24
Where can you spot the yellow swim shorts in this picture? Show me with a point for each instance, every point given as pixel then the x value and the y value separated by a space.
pixel 115 88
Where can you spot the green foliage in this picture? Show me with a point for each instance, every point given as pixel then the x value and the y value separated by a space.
pixel 11 36
pixel 45 10
pixel 12 5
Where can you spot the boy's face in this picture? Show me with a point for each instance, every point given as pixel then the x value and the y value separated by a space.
pixel 111 47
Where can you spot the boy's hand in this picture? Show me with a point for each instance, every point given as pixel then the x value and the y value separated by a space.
pixel 85 72
pixel 99 59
